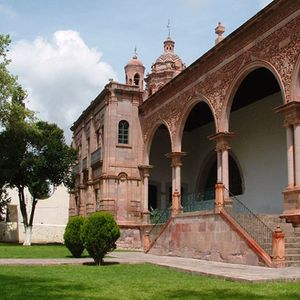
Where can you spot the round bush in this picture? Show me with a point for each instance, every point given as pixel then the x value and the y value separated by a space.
pixel 72 236
pixel 99 234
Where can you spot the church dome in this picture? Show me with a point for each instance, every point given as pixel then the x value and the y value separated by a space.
pixel 135 62
pixel 168 57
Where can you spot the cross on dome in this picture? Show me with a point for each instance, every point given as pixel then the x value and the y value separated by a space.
pixel 169 28
pixel 135 52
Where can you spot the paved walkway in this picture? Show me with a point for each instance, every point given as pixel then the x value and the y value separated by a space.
pixel 227 271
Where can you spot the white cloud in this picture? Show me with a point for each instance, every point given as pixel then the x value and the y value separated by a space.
pixel 62 75
pixel 263 3
pixel 7 11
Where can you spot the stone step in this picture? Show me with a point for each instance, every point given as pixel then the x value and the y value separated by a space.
pixel 295 263
pixel 292 239
pixel 295 250
pixel 292 245
pixel 292 257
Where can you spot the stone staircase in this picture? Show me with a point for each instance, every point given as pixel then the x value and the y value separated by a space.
pixel 292 238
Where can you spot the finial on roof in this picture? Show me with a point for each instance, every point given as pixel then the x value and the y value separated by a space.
pixel 135 52
pixel 169 28
pixel 219 30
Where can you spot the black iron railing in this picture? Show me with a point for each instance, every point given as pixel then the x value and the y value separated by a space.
pixel 250 222
pixel 198 201
pixel 158 218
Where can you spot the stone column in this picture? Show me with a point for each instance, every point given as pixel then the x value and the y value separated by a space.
pixel 219 166
pixel 278 248
pixel 291 210
pixel 222 149
pixel 176 180
pixel 290 155
pixel 219 201
pixel 297 153
pixel 145 174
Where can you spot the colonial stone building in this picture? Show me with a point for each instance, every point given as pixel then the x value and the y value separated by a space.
pixel 214 146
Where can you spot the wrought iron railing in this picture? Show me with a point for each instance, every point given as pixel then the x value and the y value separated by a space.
pixel 250 222
pixel 158 218
pixel 198 201
pixel 96 156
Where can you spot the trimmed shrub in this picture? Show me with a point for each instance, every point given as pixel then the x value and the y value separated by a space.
pixel 72 236
pixel 99 234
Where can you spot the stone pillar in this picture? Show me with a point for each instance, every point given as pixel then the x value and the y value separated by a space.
pixel 290 155
pixel 176 180
pixel 222 149
pixel 145 174
pixel 291 210
pixel 225 168
pixel 219 201
pixel 176 204
pixel 146 241
pixel 297 153
pixel 278 248
pixel 219 166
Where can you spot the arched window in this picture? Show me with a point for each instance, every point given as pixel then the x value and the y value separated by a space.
pixel 136 79
pixel 123 132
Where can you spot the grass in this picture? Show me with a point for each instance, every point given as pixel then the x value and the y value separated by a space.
pixel 129 282
pixel 8 250
pixel 119 281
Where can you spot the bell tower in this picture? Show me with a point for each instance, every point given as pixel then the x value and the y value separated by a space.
pixel 134 72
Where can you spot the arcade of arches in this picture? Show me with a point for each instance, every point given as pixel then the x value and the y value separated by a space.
pixel 232 118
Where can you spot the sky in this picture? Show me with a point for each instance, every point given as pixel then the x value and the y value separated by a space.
pixel 65 51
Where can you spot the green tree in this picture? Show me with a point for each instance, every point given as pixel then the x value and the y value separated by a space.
pixel 99 234
pixel 8 82
pixel 33 153
pixel 4 201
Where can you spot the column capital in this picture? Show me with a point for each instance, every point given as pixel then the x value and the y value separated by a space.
pixel 222 139
pixel 291 111
pixel 145 170
pixel 175 158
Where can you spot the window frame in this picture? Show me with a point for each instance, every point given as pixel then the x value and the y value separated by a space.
pixel 123 132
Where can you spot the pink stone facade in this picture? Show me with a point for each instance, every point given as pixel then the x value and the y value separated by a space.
pixel 208 237
pixel 115 133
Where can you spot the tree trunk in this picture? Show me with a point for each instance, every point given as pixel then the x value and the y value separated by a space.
pixel 28 235
pixel 23 205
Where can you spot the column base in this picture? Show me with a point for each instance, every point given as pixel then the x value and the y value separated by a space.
pixel 291 211
pixel 146 217
pixel 176 212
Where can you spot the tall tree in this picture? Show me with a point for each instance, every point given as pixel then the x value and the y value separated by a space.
pixel 8 82
pixel 33 153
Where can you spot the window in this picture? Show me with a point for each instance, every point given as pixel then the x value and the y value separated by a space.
pixel 123 132
pixel 136 79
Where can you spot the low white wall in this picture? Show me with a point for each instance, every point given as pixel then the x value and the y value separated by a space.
pixel 50 218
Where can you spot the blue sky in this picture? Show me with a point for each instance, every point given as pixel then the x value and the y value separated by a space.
pixel 64 51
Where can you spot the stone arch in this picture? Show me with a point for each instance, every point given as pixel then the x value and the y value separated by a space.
pixel 236 182
pixel 151 135
pixel 295 82
pixel 243 73
pixel 184 116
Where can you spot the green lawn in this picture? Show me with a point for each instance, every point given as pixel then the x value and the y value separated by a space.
pixel 35 251
pixel 128 282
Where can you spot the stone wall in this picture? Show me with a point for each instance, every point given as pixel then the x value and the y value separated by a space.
pixel 203 236
pixel 9 232
pixel 130 238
